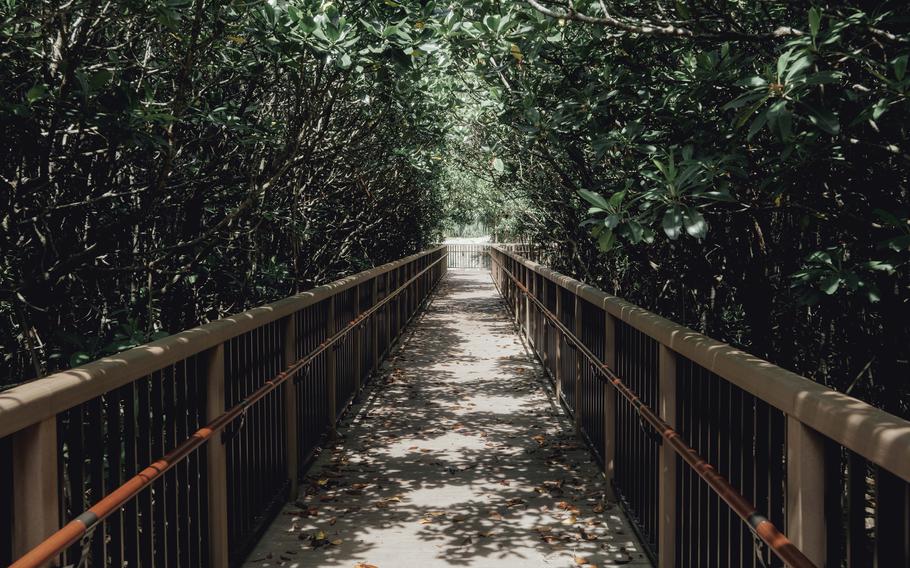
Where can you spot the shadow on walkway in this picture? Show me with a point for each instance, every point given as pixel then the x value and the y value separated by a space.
pixel 458 456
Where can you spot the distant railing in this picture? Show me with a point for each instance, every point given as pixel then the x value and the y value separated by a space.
pixel 478 255
pixel 179 452
pixel 829 470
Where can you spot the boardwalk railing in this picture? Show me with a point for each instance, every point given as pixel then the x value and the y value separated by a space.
pixel 178 453
pixel 828 470
pixel 478 255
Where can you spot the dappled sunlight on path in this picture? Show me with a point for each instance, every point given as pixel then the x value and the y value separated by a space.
pixel 458 456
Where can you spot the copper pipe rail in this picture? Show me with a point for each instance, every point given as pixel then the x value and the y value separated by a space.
pixel 760 525
pixel 86 522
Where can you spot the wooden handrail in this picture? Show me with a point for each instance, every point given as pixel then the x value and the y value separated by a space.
pixel 760 525
pixel 32 402
pixel 114 501
pixel 876 435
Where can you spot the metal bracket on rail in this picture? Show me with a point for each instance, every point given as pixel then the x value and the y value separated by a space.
pixel 758 546
pixel 301 376
pixel 85 545
pixel 649 430
pixel 228 435
pixel 595 370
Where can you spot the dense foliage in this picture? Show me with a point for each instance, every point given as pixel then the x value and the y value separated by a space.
pixel 166 162
pixel 737 166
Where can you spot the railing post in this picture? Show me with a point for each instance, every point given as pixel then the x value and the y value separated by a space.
pixel 36 506
pixel 666 506
pixel 559 340
pixel 405 297
pixel 330 360
pixel 374 323
pixel 358 341
pixel 578 366
pixel 388 313
pixel 290 404
pixel 806 490
pixel 609 449
pixel 516 303
pixel 532 310
pixel 216 466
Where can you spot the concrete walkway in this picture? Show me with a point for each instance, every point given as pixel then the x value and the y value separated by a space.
pixel 458 456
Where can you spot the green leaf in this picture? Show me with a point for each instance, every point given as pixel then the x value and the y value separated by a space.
pixel 606 240
pixel 695 223
pixel 757 124
pixel 823 77
pixel 879 108
pixel 594 199
pixel 672 222
pixel 743 116
pixel 498 165
pixel 35 93
pixel 783 62
pixel 99 79
pixel 824 119
pixel 616 199
pixel 872 294
pixel 830 284
pixel 815 20
pixel 900 67
pixel 79 358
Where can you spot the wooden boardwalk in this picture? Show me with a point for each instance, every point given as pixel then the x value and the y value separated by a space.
pixel 457 456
